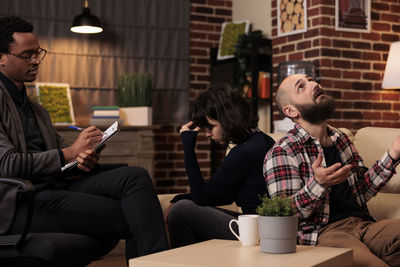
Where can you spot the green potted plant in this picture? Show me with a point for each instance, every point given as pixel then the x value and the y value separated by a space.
pixel 134 97
pixel 243 48
pixel 277 224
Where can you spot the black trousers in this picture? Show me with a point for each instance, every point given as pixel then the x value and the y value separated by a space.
pixel 116 204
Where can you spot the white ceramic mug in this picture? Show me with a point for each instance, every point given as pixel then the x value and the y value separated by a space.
pixel 248 229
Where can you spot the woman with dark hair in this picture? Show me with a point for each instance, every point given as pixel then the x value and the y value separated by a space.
pixel 226 119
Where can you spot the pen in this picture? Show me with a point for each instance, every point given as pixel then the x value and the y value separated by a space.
pixel 76 128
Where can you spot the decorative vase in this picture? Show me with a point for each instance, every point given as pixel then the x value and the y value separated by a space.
pixel 278 234
pixel 137 116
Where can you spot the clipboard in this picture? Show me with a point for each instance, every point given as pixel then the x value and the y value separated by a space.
pixel 110 132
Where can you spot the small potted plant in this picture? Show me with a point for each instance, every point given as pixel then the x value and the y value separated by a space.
pixel 277 224
pixel 134 97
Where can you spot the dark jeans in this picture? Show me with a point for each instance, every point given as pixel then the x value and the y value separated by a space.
pixel 115 204
pixel 189 223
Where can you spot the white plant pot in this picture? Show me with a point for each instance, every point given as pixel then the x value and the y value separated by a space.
pixel 278 234
pixel 137 116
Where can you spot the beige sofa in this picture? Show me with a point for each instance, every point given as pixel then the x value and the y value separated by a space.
pixel 371 143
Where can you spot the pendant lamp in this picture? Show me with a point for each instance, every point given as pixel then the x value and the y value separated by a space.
pixel 86 22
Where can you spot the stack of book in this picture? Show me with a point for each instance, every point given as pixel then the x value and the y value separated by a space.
pixel 105 115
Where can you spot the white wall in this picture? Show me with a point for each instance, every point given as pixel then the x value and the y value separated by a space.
pixel 258 12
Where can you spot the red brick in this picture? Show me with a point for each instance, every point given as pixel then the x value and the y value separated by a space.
pixel 303 45
pixel 390 116
pixel 372 115
pixel 382 105
pixel 362 105
pixel 361 65
pixel 295 37
pixel 379 66
pixel 381 47
pixel 201 26
pixel 351 35
pixel 216 2
pixel 380 27
pixel 380 6
pixel 372 76
pixel 352 115
pixel 296 56
pixel 340 84
pixel 371 96
pixel 164 165
pixel 311 53
pixel 343 64
pixel 390 96
pixel 371 56
pixel 351 74
pixel 341 43
pixel 167 147
pixel 331 73
pixel 362 86
pixel 390 17
pixel 390 37
pixel 325 62
pixel 396 106
pixel 395 8
pixel 351 95
pixel 326 42
pixel 198 18
pixel 197 35
pixel 361 45
pixel 351 54
pixel 373 36
pixel 287 48
pixel 342 104
pixel 213 37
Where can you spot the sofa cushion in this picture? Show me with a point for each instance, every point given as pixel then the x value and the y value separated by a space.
pixel 371 144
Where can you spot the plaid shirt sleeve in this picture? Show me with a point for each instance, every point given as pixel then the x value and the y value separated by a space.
pixel 287 173
pixel 366 182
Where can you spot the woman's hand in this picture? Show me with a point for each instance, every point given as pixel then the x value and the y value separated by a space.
pixel 190 126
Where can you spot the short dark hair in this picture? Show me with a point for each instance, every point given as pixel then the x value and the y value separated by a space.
pixel 8 26
pixel 227 106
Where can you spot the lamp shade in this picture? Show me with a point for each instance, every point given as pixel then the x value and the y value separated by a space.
pixel 391 78
pixel 86 22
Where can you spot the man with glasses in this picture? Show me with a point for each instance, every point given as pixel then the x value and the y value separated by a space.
pixel 115 204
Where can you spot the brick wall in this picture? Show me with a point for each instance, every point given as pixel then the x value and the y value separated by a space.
pixel 206 18
pixel 351 64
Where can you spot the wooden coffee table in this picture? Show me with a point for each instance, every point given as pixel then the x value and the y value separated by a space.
pixel 231 253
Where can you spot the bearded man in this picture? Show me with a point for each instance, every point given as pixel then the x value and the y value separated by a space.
pixel 320 168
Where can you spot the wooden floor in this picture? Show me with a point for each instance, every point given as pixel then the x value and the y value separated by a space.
pixel 116 258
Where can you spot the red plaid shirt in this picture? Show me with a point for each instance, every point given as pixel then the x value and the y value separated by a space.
pixel 287 171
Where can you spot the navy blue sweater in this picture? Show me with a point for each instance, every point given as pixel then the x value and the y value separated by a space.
pixel 239 178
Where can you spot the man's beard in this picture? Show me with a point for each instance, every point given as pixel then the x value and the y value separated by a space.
pixel 317 112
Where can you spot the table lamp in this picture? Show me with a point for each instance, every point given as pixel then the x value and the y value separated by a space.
pixel 391 78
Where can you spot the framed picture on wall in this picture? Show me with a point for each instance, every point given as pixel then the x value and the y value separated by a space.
pixel 353 15
pixel 56 99
pixel 230 32
pixel 292 17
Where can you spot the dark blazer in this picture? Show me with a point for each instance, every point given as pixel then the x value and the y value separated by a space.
pixel 15 161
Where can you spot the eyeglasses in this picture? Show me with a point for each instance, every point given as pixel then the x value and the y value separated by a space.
pixel 29 56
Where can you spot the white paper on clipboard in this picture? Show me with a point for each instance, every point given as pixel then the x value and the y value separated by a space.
pixel 110 132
